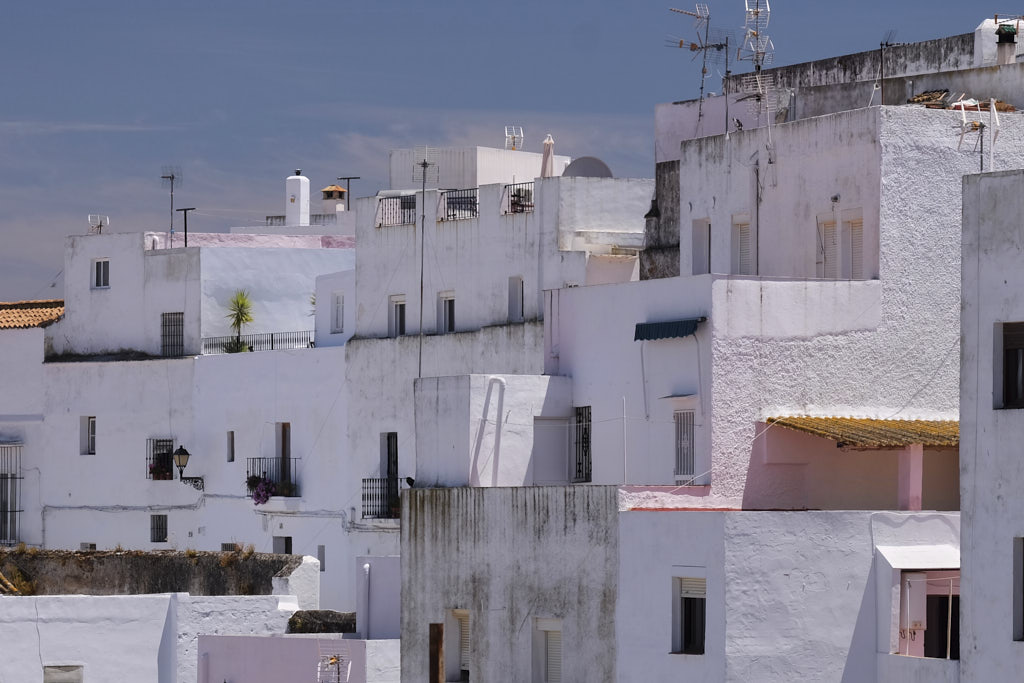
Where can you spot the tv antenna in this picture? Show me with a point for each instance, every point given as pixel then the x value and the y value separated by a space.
pixel 97 223
pixel 758 48
pixel 887 41
pixel 424 167
pixel 713 46
pixel 968 127
pixel 171 176
pixel 513 137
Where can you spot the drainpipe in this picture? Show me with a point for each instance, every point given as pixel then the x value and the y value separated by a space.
pixel 366 570
pixel 500 381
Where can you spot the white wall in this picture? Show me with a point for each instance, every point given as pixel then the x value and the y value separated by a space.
pixel 991 466
pixel 269 659
pixel 465 167
pixel 492 430
pixel 379 593
pixel 138 637
pixel 343 283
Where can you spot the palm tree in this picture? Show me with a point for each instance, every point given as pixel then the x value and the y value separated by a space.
pixel 239 314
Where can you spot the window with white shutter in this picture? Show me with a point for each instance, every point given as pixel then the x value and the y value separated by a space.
pixel 855 229
pixel 552 656
pixel 829 245
pixel 462 616
pixel 743 249
pixel 689 615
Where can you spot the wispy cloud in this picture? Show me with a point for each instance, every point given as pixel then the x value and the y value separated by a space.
pixel 60 127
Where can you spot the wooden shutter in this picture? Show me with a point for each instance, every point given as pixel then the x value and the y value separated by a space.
pixel 830 250
pixel 553 656
pixel 857 250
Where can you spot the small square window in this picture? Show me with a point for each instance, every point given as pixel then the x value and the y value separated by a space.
pixel 101 273
pixel 689 611
pixel 283 545
pixel 337 313
pixel 87 435
pixel 158 528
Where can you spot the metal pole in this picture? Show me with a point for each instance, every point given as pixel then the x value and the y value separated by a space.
pixel 625 471
pixel 423 222
pixel 348 189
pixel 949 618
pixel 184 215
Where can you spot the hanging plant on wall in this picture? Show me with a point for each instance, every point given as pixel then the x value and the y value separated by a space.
pixel 260 488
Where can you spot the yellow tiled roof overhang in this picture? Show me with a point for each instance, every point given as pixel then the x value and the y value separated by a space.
pixel 21 314
pixel 857 432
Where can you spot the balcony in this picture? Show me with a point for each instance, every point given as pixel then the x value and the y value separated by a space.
pixel 10 493
pixel 278 471
pixel 260 341
pixel 381 499
pixel 160 459
pixel 459 204
pixel 396 211
pixel 518 198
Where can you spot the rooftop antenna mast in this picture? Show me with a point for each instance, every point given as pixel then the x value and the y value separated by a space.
pixel 758 48
pixel 171 175
pixel 713 46
pixel 424 167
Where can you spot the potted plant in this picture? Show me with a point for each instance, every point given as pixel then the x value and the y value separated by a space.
pixel 260 488
pixel 161 469
pixel 239 314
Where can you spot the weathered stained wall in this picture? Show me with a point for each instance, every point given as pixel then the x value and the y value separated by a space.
pixel 510 556
pixel 660 257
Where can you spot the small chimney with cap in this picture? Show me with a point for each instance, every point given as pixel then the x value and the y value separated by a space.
pixel 296 208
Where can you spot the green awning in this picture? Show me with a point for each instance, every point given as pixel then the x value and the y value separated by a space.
pixel 670 329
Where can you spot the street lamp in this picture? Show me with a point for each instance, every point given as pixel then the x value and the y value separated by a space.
pixel 181 457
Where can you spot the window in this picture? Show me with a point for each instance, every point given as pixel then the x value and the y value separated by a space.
pixel 160 459
pixel 283 545
pixel 701 246
pixel 581 440
pixel 743 248
pixel 688 615
pixel 230 547
pixel 853 242
pixel 231 446
pixel 1018 588
pixel 63 674
pixel 548 651
pixel 684 443
pixel 86 546
pixel 172 334
pixel 337 313
pixel 87 435
pixel 10 493
pixel 1012 337
pixel 515 299
pixel 446 312
pixel 283 443
pixel 396 315
pixel 321 556
pixel 827 260
pixel 158 528
pixel 457 651
pixel 101 273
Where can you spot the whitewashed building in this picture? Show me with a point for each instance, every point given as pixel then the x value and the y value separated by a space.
pixel 772 410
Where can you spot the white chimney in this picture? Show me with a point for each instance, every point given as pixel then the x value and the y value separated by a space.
pixel 296 208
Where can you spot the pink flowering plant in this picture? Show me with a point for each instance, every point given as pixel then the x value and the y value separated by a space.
pixel 260 488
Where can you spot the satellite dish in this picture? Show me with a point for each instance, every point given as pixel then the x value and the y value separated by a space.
pixel 588 167
pixel 97 223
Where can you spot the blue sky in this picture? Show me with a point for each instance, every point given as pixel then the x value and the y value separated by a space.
pixel 98 96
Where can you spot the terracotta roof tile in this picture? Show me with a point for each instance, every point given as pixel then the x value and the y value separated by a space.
pixel 22 314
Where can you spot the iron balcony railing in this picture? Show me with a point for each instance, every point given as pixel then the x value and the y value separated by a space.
pixel 518 198
pixel 160 459
pixel 581 439
pixel 396 210
pixel 260 341
pixel 10 493
pixel 380 498
pixel 279 471
pixel 459 204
